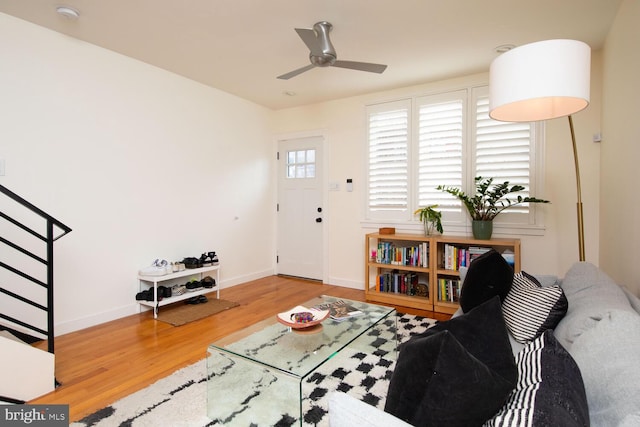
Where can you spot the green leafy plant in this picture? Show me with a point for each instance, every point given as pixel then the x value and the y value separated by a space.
pixel 428 215
pixel 489 200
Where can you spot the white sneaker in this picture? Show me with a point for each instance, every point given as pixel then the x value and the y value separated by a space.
pixel 178 289
pixel 157 268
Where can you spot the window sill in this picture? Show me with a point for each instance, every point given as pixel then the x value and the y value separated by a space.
pixel 413 227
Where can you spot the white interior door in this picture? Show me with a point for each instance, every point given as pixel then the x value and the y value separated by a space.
pixel 300 210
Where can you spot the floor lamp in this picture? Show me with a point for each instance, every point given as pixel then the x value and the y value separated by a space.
pixel 541 81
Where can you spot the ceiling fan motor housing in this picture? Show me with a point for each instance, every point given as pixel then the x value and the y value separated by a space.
pixel 328 56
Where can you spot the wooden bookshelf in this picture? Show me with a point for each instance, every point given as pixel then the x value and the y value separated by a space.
pixel 397 272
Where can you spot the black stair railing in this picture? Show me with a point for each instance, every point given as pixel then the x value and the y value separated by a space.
pixel 52 226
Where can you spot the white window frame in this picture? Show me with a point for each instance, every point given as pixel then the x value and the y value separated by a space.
pixel 460 223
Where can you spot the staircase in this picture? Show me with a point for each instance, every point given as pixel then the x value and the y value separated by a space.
pixel 27 235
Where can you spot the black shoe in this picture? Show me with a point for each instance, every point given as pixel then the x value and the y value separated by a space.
pixel 202 299
pixel 193 285
pixel 192 262
pixel 213 257
pixel 147 295
pixel 192 300
pixel 164 291
pixel 208 282
pixel 205 260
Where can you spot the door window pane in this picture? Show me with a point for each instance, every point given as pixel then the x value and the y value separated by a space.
pixel 301 164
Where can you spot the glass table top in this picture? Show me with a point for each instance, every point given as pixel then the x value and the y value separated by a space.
pixel 298 351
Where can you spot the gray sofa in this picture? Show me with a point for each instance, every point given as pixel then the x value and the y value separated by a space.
pixel 601 332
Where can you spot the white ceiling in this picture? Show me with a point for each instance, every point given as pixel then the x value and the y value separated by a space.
pixel 241 46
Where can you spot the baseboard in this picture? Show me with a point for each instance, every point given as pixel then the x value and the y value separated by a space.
pixel 346 283
pixel 237 280
pixel 95 319
pixel 134 308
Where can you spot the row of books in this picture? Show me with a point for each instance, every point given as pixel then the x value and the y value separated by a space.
pixel 416 255
pixel 454 257
pixel 449 290
pixel 401 283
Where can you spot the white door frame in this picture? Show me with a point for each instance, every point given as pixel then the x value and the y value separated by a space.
pixel 322 133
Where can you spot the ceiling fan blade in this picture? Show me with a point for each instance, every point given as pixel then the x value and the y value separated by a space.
pixel 294 73
pixel 310 38
pixel 361 66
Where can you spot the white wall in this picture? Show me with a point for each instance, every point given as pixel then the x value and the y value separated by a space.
pixel 139 162
pixel 345 127
pixel 620 206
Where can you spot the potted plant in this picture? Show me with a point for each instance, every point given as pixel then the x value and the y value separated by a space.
pixel 430 218
pixel 488 202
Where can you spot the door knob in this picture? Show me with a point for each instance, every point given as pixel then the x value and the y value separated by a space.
pixel 318 219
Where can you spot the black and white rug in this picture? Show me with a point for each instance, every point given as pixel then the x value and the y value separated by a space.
pixel 181 398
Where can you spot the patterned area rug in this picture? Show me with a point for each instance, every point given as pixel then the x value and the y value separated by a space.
pixel 181 398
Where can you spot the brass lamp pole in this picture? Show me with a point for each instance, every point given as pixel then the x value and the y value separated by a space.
pixel 579 190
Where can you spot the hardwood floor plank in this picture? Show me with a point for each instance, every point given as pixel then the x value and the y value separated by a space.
pixel 107 362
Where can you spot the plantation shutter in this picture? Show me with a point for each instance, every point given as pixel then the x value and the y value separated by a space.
pixel 441 141
pixel 388 134
pixel 503 151
pixel 420 143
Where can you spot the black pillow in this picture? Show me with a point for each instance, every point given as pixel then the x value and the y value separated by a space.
pixel 488 275
pixel 550 389
pixel 457 373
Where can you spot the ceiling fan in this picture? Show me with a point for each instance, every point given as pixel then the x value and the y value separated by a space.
pixel 323 54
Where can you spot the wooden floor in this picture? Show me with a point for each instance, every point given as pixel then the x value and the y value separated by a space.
pixel 104 363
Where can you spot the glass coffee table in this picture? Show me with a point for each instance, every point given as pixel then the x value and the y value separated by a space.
pixel 262 373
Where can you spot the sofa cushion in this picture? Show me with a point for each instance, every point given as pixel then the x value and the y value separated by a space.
pixel 487 276
pixel 550 390
pixel 530 309
pixel 457 373
pixel 608 355
pixel 591 295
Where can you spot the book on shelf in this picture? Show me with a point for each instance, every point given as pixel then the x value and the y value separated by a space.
pixel 415 254
pixel 339 310
pixel 398 282
pixel 449 290
pixel 454 257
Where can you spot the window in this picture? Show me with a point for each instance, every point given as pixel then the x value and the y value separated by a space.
pixel 301 164
pixel 441 142
pixel 414 145
pixel 389 158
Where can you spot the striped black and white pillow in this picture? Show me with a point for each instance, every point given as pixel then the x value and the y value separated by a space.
pixel 550 390
pixel 529 309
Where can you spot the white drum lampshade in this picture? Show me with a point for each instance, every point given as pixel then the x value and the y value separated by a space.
pixel 540 81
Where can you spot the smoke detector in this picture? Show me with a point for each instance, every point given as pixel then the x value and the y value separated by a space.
pixel 68 12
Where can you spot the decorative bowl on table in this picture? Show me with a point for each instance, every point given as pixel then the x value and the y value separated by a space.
pixel 301 317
